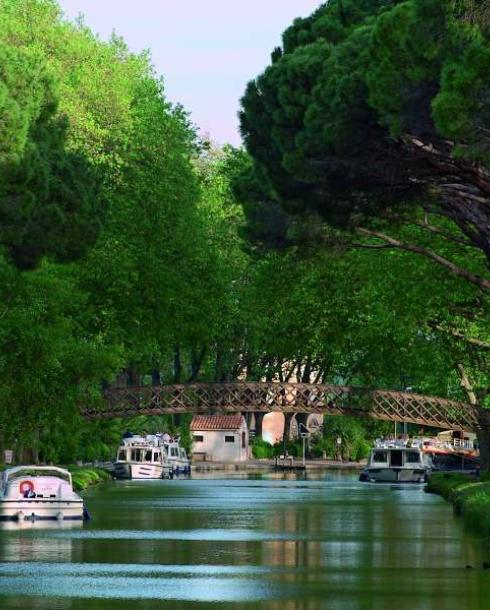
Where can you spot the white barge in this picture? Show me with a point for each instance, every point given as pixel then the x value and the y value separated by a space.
pixel 37 493
pixel 142 457
pixel 396 464
pixel 177 456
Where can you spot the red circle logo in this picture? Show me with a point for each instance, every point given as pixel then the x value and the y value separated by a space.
pixel 26 487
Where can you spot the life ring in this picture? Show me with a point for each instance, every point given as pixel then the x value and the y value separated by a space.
pixel 26 487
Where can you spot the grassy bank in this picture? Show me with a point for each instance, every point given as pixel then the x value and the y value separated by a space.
pixel 84 477
pixel 470 497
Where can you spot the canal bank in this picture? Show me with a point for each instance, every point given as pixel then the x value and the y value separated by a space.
pixel 84 477
pixel 469 496
pixel 270 464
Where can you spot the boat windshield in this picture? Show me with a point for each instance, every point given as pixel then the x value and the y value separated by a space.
pixel 412 457
pixel 38 472
pixel 380 456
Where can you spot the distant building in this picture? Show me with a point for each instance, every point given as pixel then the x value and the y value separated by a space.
pixel 220 438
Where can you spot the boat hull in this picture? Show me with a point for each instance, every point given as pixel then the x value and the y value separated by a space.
pixel 131 471
pixel 41 510
pixel 181 466
pixel 394 475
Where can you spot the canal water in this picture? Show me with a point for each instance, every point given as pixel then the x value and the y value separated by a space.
pixel 269 541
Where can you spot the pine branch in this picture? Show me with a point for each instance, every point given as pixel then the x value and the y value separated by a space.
pixel 475 279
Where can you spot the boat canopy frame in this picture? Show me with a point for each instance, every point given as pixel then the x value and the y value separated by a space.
pixel 19 472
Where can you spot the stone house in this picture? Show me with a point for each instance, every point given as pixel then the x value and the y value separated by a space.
pixel 220 438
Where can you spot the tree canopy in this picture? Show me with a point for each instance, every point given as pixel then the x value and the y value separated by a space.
pixel 372 109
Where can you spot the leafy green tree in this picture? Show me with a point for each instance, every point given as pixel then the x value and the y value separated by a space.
pixel 370 109
pixel 50 201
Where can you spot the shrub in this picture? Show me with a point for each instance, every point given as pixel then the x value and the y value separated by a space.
pixel 262 449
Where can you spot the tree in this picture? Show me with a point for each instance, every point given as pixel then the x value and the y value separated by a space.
pixel 50 197
pixel 371 109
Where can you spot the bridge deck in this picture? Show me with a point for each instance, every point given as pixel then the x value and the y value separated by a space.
pixel 286 398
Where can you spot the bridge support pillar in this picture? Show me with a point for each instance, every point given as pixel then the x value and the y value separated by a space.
pixel 259 420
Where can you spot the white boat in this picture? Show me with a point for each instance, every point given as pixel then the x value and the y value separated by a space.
pixel 36 493
pixel 396 464
pixel 142 457
pixel 177 456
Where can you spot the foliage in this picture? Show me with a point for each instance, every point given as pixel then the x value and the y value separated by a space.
pixel 471 499
pixel 86 477
pixel 371 109
pixel 262 449
pixel 136 253
pixel 356 438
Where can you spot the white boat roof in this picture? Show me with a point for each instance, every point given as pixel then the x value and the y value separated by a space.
pixel 54 469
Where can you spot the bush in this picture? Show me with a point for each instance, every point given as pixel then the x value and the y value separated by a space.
pixel 262 449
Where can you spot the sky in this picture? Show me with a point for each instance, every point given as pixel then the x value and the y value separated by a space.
pixel 206 50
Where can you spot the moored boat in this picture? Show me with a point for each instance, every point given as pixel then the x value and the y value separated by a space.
pixel 396 464
pixel 142 457
pixel 177 456
pixel 36 493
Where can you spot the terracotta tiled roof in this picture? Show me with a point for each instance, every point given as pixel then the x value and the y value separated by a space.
pixel 216 422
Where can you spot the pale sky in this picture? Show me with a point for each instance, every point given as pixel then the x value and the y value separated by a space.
pixel 206 50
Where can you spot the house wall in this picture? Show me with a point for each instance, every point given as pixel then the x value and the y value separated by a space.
pixel 215 448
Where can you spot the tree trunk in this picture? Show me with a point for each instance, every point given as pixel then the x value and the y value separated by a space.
pixel 287 428
pixel 218 365
pixel 177 365
pixel 155 377
pixel 132 376
pixel 259 420
pixel 196 363
pixel 484 440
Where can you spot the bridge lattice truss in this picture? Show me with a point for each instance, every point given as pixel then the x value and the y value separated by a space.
pixel 287 398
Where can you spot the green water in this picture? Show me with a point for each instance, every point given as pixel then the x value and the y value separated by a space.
pixel 277 542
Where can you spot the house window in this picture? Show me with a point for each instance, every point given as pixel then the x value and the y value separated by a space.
pixel 229 439
pixel 198 438
pixel 244 440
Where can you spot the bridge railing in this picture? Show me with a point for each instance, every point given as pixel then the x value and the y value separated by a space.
pixel 288 398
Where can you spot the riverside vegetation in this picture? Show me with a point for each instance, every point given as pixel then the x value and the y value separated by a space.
pixel 470 497
pixel 132 250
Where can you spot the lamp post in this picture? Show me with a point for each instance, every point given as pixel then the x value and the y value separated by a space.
pixel 304 433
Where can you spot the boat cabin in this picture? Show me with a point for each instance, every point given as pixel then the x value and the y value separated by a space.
pixel 396 458
pixel 141 449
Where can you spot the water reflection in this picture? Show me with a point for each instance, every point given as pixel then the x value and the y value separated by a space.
pixel 269 541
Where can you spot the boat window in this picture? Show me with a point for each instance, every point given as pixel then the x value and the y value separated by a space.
pixel 183 454
pixel 229 439
pixel 122 455
pixel 148 456
pixel 38 472
pixel 174 452
pixel 156 457
pixel 396 459
pixel 413 457
pixel 380 456
pixel 198 438
pixel 136 455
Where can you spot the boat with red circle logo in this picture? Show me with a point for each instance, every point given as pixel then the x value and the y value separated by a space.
pixel 37 493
